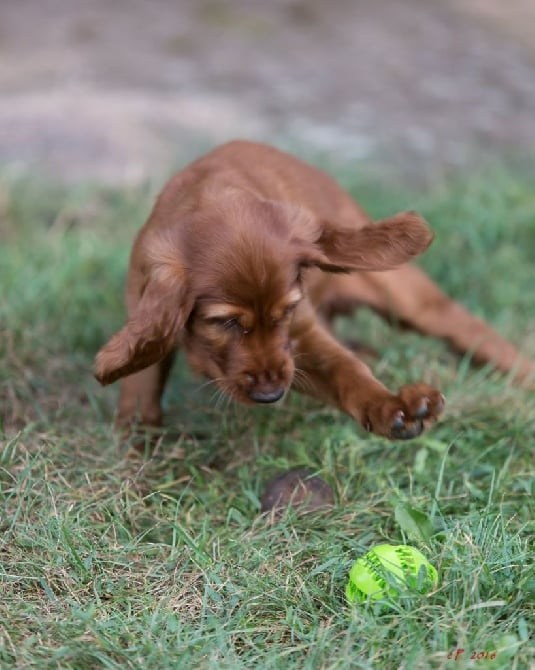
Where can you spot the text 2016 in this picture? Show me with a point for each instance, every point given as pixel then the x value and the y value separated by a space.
pixel 456 654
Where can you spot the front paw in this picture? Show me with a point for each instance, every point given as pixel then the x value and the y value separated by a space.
pixel 406 415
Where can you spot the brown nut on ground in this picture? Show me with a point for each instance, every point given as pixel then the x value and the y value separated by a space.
pixel 298 488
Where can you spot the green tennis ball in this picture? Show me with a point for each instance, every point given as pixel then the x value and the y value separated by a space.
pixel 389 570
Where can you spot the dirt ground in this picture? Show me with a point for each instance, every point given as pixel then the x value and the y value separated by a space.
pixel 122 90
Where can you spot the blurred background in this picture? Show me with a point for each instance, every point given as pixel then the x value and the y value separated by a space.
pixel 123 90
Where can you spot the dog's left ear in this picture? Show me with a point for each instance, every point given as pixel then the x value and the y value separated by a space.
pixel 383 245
pixel 149 335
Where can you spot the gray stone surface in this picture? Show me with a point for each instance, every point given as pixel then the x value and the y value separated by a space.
pixel 124 89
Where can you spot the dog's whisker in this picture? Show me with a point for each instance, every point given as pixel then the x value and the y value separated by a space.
pixel 215 397
pixel 224 397
pixel 220 389
pixel 303 380
pixel 229 402
pixel 207 383
pixel 220 398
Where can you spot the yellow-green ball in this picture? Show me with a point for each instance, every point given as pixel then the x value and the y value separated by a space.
pixel 389 570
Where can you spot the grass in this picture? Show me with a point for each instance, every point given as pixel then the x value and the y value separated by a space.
pixel 108 561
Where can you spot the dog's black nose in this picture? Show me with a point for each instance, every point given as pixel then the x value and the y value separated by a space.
pixel 267 396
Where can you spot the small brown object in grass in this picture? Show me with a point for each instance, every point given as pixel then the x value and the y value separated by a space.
pixel 298 488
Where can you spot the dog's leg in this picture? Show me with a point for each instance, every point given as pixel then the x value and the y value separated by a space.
pixel 140 395
pixel 327 370
pixel 408 296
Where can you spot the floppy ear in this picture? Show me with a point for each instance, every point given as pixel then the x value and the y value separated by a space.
pixel 149 335
pixel 383 245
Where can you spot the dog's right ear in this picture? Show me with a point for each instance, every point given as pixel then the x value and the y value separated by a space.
pixel 149 335
pixel 379 246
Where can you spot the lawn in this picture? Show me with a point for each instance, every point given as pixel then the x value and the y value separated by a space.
pixel 113 561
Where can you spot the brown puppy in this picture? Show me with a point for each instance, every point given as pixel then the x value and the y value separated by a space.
pixel 247 253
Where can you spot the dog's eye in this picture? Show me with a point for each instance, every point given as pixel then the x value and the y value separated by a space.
pixel 223 321
pixel 228 323
pixel 287 312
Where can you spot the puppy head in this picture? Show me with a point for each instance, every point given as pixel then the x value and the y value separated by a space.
pixel 247 285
